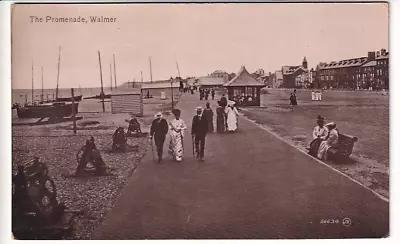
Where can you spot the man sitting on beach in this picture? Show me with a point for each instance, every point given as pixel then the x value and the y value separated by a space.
pixel 134 126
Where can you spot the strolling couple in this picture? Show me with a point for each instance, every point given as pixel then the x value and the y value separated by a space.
pixel 227 116
pixel 177 127
pixel 325 137
pixel 159 129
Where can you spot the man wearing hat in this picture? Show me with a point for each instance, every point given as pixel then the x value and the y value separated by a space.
pixel 199 132
pixel 159 129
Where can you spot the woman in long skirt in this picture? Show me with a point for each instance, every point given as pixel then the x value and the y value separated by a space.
pixel 221 122
pixel 232 114
pixel 331 140
pixel 320 133
pixel 209 115
pixel 177 129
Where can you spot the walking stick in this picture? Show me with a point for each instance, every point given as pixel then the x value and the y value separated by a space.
pixel 152 150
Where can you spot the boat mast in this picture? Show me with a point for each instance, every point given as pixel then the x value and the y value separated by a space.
pixel 32 82
pixel 141 75
pixel 115 73
pixel 177 67
pixel 151 72
pixel 101 80
pixel 58 71
pixel 42 86
pixel 111 78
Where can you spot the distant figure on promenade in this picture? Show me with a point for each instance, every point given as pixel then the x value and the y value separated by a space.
pixel 293 99
pixel 209 115
pixel 212 93
pixel 177 130
pixel 192 90
pixel 199 132
pixel 180 86
pixel 232 121
pixel 223 101
pixel 201 91
pixel 319 134
pixel 207 93
pixel 221 118
pixel 159 130
pixel 148 95
pixel 331 140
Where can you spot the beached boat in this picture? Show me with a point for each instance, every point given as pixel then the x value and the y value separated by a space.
pixel 69 99
pixel 49 110
pixel 106 96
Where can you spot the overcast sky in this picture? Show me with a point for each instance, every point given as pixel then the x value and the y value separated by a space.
pixel 200 37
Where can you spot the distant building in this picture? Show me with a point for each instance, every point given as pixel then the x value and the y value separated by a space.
pixel 277 82
pixel 259 72
pixel 220 73
pixel 211 81
pixel 296 76
pixel 382 68
pixel 355 73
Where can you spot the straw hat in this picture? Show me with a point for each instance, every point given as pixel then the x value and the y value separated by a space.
pixel 331 125
pixel 158 115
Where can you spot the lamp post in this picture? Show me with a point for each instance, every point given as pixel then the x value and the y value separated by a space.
pixel 172 93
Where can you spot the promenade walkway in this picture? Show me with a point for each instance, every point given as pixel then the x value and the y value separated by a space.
pixel 251 185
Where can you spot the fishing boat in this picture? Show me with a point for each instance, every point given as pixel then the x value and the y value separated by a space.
pixel 47 110
pixel 69 99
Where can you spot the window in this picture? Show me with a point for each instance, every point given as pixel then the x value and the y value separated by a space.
pixel 322 77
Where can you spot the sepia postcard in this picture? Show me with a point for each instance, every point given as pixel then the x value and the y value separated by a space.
pixel 200 121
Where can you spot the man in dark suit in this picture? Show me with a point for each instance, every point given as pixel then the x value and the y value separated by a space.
pixel 159 129
pixel 223 101
pixel 199 132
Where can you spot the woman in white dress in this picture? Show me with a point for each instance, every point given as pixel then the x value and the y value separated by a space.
pixel 331 140
pixel 231 114
pixel 177 128
pixel 319 134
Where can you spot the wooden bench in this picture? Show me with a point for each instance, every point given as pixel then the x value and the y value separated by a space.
pixel 343 150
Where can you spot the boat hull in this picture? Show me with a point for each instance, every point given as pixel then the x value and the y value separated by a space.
pixel 55 110
pixel 69 99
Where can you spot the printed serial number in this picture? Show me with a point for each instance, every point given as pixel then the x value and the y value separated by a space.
pixel 329 221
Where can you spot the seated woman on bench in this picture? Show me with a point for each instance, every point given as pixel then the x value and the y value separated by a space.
pixel 331 140
pixel 320 133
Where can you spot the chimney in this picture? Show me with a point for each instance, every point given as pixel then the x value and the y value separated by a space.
pixel 371 56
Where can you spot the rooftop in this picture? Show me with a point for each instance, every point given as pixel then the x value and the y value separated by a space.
pixel 354 62
pixel 211 81
pixel 288 70
pixel 384 56
pixel 369 64
pixel 243 78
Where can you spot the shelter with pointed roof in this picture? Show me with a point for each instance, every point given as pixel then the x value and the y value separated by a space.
pixel 244 89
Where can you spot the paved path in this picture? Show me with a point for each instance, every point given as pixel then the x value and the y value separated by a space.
pixel 251 185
